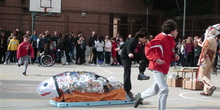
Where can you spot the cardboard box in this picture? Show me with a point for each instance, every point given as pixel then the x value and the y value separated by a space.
pixel 169 82
pixel 192 85
pixel 174 82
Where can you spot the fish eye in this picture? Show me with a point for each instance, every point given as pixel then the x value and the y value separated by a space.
pixel 45 85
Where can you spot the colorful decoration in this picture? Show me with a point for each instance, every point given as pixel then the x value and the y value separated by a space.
pixel 77 81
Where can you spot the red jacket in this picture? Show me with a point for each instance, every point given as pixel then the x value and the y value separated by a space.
pixel 25 49
pixel 161 47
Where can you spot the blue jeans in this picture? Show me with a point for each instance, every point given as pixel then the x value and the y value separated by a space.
pixel 58 54
pixel 158 85
pixel 11 54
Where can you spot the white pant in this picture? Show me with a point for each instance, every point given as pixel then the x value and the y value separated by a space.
pixel 158 85
pixel 24 60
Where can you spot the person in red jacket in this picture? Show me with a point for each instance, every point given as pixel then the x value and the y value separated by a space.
pixel 160 51
pixel 24 52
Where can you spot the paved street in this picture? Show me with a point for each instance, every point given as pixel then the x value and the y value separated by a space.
pixel 18 92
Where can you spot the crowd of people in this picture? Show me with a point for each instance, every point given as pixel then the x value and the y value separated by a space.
pixel 103 50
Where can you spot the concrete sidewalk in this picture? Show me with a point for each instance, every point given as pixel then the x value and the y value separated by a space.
pixel 18 92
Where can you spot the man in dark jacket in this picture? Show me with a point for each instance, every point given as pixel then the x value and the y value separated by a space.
pixel 92 49
pixel 3 46
pixel 128 55
pixel 78 49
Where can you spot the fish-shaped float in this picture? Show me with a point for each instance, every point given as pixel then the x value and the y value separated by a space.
pixel 81 86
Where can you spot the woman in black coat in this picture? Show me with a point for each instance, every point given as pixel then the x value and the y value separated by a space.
pixel 66 47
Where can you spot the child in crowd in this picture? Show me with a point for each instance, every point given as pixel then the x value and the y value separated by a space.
pixel 12 49
pixel 114 53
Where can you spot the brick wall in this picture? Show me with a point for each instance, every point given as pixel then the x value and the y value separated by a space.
pixel 97 17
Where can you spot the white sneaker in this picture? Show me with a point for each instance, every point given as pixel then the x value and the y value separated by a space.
pixel 137 65
pixel 92 64
pixel 99 65
pixel 5 63
pixel 107 64
pixel 173 67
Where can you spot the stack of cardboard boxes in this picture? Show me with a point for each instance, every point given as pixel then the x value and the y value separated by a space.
pixel 192 84
pixel 174 81
pixel 185 83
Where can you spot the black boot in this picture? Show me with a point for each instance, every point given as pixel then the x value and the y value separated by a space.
pixel 137 100
pixel 129 96
pixel 24 73
pixel 141 76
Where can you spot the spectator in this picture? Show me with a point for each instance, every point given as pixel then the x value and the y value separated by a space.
pixel 82 43
pixel 72 39
pixel 107 48
pixel 66 47
pixel 197 51
pixel 78 48
pixel 183 53
pixel 12 49
pixel 19 35
pixel 47 51
pixel 114 53
pixel 57 38
pixel 121 43
pixel 34 38
pixel 189 49
pixel 38 49
pixel 42 42
pixel 48 36
pixel 91 44
pixel 10 37
pixel 3 46
pixel 178 51
pixel 99 44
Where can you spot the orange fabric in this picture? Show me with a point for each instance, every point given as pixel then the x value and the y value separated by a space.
pixel 117 94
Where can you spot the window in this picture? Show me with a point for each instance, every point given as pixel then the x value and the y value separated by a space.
pixel 2 2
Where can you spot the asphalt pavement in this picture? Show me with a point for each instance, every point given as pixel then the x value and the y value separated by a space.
pixel 18 92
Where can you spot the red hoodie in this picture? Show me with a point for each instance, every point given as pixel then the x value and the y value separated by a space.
pixel 25 49
pixel 161 47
